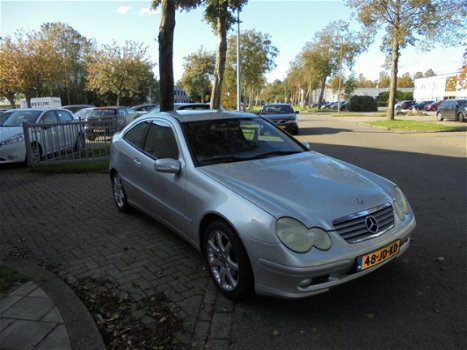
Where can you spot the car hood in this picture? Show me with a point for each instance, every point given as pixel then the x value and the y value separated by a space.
pixel 6 132
pixel 310 187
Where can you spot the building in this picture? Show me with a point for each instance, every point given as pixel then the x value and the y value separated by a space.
pixel 438 88
pixel 180 96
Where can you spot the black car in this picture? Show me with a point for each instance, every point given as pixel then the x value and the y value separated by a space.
pixel 421 105
pixel 144 108
pixel 455 109
pixel 404 104
pixel 282 115
pixel 105 121
pixel 76 108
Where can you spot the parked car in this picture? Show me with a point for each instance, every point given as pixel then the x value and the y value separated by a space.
pixel 404 104
pixel 44 140
pixel 144 108
pixel 455 109
pixel 267 213
pixel 432 106
pixel 105 121
pixel 83 114
pixel 5 114
pixel 421 105
pixel 76 108
pixel 282 115
pixel 188 106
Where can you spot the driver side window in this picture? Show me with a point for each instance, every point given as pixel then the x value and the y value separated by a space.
pixel 160 142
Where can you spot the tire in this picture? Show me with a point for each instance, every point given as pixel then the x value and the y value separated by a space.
pixel 227 261
pixel 461 117
pixel 439 116
pixel 120 198
pixel 36 153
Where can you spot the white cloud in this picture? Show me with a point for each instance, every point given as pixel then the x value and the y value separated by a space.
pixel 123 10
pixel 149 11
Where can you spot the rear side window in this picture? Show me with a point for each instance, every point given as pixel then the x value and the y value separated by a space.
pixel 64 116
pixel 137 134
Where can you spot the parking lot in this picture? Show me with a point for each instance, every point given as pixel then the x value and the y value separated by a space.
pixel 416 302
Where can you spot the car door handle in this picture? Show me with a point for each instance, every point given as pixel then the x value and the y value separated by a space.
pixel 137 162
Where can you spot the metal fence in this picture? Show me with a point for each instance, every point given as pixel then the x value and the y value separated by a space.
pixel 69 141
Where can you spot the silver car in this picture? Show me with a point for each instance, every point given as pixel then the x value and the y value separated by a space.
pixel 268 214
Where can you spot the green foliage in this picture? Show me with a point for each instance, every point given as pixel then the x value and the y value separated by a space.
pixel 122 71
pixel 257 57
pixel 362 104
pixel 9 278
pixel 198 74
pixel 383 97
pixel 411 125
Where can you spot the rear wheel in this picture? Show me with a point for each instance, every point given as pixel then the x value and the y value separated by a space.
pixel 36 153
pixel 120 197
pixel 461 117
pixel 227 261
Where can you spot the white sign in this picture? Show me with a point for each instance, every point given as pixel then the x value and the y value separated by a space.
pixel 43 102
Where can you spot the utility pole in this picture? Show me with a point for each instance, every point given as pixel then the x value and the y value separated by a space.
pixel 238 59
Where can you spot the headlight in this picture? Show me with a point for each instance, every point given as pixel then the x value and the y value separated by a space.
pixel 401 205
pixel 295 236
pixel 13 139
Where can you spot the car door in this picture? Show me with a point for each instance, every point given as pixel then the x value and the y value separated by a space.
pixel 48 135
pixel 67 131
pixel 160 194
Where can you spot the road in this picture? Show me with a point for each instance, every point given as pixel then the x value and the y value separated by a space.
pixel 416 302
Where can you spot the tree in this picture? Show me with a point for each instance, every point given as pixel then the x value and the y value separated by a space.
pixel 363 82
pixel 332 49
pixel 121 71
pixel 198 74
pixel 257 56
pixel 73 49
pixel 29 66
pixel 274 92
pixel 407 22
pixel 429 73
pixel 405 81
pixel 418 75
pixel 220 14
pixel 384 80
pixel 165 38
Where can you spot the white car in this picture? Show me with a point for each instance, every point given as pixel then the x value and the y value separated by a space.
pixel 57 132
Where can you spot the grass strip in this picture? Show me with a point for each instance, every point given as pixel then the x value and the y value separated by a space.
pixel 412 125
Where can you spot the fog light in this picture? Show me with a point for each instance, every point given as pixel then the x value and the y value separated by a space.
pixel 305 283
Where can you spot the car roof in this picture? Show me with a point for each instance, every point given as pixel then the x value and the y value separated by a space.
pixel 40 109
pixel 184 116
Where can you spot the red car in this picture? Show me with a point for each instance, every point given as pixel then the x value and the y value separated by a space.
pixel 432 106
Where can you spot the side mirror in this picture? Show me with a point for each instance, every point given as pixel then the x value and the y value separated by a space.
pixel 306 145
pixel 167 165
pixel 297 112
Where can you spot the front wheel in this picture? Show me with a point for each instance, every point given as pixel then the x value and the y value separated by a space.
pixel 439 116
pixel 120 197
pixel 228 261
pixel 36 153
pixel 461 117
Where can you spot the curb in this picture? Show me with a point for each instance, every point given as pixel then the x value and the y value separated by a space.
pixel 82 329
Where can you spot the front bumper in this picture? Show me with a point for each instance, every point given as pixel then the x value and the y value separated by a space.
pixel 279 280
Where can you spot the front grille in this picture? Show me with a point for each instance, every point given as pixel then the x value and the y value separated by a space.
pixel 353 228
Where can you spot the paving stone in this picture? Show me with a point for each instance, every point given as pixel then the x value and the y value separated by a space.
pixel 57 340
pixel 38 293
pixel 24 289
pixel 29 308
pixel 217 344
pixel 23 334
pixel 53 316
pixel 220 326
pixel 7 301
pixel 5 322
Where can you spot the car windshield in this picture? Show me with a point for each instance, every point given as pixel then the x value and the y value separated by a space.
pixel 234 140
pixel 277 109
pixel 84 113
pixel 19 117
pixel 102 113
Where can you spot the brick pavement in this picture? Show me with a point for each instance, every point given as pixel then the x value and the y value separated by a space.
pixel 70 221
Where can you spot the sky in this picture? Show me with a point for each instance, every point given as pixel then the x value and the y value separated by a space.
pixel 291 24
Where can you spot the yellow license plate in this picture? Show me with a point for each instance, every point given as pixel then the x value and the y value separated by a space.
pixel 377 257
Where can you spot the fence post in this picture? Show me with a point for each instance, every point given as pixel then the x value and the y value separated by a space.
pixel 27 143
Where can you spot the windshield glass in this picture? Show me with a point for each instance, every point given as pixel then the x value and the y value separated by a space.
pixel 279 109
pixel 102 113
pixel 19 117
pixel 234 140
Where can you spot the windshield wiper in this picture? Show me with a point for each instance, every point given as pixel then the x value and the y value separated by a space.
pixel 222 159
pixel 274 154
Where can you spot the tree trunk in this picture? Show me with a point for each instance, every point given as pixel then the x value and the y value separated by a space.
pixel 394 64
pixel 166 74
pixel 220 63
pixel 321 93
